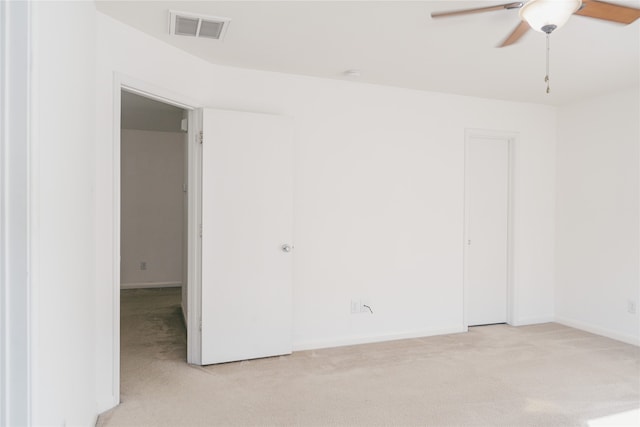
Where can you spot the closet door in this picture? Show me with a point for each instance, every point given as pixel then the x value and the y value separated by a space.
pixel 486 214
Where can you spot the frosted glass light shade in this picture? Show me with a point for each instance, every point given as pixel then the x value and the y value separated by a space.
pixel 540 13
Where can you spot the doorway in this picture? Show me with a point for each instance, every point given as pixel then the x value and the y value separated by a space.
pixel 153 194
pixel 222 132
pixel 153 229
pixel 487 254
pixel 189 292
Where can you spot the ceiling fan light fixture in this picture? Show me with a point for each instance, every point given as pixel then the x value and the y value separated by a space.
pixel 545 16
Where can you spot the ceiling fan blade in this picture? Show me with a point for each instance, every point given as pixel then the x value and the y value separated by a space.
pixel 516 34
pixel 516 5
pixel 608 11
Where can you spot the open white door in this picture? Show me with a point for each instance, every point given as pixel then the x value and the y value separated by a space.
pixel 247 236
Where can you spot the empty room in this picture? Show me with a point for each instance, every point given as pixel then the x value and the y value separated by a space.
pixel 320 213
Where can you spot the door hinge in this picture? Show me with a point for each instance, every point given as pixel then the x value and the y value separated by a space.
pixel 200 231
pixel 200 325
pixel 200 137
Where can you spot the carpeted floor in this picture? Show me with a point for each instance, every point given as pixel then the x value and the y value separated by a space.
pixel 541 375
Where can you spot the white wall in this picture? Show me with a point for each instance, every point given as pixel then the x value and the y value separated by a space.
pixel 378 192
pixel 152 207
pixel 61 203
pixel 598 215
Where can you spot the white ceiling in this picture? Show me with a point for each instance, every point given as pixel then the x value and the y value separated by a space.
pixel 397 43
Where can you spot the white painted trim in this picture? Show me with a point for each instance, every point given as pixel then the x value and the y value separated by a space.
pixel 147 90
pixel 4 283
pixel 133 85
pixel 146 285
pixel 17 107
pixel 626 338
pixel 533 320
pixel 511 138
pixel 370 339
pixel 512 289
pixel 115 259
pixel 465 232
pixel 33 190
pixel 194 245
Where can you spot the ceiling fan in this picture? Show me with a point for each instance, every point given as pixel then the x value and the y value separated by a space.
pixel 546 16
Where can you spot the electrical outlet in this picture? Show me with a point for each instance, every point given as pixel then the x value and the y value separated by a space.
pixel 361 306
pixel 143 265
pixel 631 307
pixel 355 306
pixel 365 306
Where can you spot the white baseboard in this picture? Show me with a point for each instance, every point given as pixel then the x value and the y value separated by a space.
pixel 533 320
pixel 629 339
pixel 341 342
pixel 145 285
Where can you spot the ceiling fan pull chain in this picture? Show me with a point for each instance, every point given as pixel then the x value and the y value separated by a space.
pixel 546 78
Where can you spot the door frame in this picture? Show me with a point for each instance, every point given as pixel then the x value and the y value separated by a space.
pixel 19 233
pixel 511 139
pixel 130 84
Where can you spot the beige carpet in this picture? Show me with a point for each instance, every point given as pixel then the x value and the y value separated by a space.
pixel 541 375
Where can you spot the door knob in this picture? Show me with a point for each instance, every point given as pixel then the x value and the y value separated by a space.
pixel 286 248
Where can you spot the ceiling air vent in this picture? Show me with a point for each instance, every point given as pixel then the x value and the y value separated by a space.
pixel 190 24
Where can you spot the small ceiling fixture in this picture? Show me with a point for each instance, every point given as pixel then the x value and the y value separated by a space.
pixel 352 73
pixel 191 24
